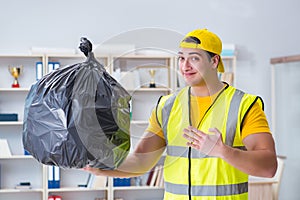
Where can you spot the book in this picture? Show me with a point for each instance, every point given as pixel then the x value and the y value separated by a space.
pixel 50 67
pixel 121 182
pixel 227 77
pixel 159 176
pixel 56 177
pixel 4 149
pixel 150 176
pixel 95 182
pixel 56 65
pixel 162 182
pixel 90 181
pixel 23 187
pixel 53 177
pixel 154 176
pixel 8 117
pixel 99 182
pixel 50 177
pixel 53 66
pixel 39 70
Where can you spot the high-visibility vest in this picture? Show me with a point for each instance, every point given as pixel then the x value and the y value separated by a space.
pixel 189 174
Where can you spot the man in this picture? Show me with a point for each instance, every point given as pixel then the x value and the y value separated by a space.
pixel 215 135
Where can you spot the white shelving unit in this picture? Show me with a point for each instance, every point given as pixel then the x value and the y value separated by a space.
pixel 133 74
pixel 18 168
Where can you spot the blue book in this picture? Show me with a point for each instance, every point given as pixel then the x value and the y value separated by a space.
pixel 56 65
pixel 53 66
pixel 26 152
pixel 50 67
pixel 56 177
pixel 39 70
pixel 50 177
pixel 8 117
pixel 121 182
pixel 53 177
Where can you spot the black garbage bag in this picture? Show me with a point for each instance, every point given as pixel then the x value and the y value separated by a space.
pixel 78 115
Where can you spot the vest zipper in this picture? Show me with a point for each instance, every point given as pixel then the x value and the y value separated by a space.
pixel 190 172
pixel 190 149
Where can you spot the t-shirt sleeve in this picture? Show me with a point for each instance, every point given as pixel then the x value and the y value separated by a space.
pixel 255 121
pixel 154 126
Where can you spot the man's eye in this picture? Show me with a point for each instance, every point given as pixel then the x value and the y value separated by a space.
pixel 194 58
pixel 180 58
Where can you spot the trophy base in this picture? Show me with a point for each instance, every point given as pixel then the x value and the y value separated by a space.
pixel 17 85
pixel 152 85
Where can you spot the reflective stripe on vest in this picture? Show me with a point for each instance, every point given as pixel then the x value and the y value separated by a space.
pixel 221 190
pixel 166 112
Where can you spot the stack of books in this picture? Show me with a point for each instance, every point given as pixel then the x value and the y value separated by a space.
pixel 4 149
pixel 23 185
pixel 155 177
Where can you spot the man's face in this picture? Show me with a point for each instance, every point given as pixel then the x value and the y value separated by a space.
pixel 195 66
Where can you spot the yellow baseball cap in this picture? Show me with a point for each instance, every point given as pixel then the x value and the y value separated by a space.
pixel 205 40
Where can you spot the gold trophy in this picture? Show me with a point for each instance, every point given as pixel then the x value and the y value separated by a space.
pixel 152 81
pixel 15 72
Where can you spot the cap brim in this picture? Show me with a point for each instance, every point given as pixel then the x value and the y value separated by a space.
pixel 221 66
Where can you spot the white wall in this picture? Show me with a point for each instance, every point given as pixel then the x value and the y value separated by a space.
pixel 260 29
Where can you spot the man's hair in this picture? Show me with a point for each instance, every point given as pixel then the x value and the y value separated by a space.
pixel 195 40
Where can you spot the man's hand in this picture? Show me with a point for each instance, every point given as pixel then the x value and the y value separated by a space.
pixel 95 171
pixel 207 143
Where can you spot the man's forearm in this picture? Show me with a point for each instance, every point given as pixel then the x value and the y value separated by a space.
pixel 256 163
pixel 135 164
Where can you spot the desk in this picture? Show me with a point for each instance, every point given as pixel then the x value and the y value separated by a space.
pixel 260 188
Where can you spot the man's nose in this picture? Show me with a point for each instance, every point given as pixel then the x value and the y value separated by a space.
pixel 186 65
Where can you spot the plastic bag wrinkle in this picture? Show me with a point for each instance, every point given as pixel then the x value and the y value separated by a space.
pixel 78 115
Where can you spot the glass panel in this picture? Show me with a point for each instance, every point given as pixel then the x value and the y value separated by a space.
pixel 287 124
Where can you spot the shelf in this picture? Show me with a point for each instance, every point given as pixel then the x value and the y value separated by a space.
pixel 14 89
pixel 11 123
pixel 21 190
pixel 16 157
pixel 146 89
pixel 76 189
pixel 144 56
pixel 137 188
pixel 139 122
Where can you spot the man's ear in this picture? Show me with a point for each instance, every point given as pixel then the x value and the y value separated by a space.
pixel 215 60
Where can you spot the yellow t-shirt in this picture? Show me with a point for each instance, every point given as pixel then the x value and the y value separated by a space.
pixel 255 121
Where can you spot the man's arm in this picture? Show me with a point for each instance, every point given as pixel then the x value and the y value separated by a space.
pixel 146 154
pixel 259 159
